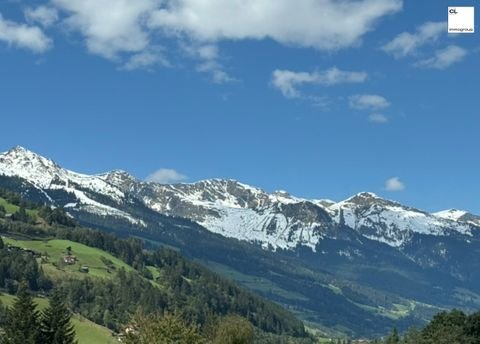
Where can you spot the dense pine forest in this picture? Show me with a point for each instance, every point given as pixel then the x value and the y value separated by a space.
pixel 454 327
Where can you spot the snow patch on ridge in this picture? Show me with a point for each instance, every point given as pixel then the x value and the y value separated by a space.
pixel 275 220
pixel 451 214
pixel 46 175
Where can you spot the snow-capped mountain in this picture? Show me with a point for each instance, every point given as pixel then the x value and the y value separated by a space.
pixel 233 209
pixel 236 210
pixel 459 215
pixel 390 222
pixel 279 220
pixel 46 176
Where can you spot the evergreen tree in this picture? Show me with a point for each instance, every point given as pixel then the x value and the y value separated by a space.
pixel 413 336
pixel 446 328
pixel 55 324
pixel 22 325
pixel 393 338
pixel 472 328
pixel 21 215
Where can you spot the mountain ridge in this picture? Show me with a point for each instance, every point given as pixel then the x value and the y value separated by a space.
pixel 234 209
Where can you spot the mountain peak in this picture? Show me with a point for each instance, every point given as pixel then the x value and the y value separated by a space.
pixel 18 149
pixel 284 197
pixel 459 215
pixel 24 163
pixel 119 178
pixel 363 197
pixel 367 194
pixel 22 152
pixel 118 174
pixel 451 213
pixel 281 193
pixel 44 173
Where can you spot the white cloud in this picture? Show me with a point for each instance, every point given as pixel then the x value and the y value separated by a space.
pixel 320 24
pixel 110 27
pixel 368 102
pixel 444 58
pixel 209 57
pixel 24 36
pixel 215 69
pixel 378 118
pixel 208 52
pixel 44 15
pixel 406 43
pixel 395 184
pixel 166 176
pixel 287 82
pixel 126 31
pixel 146 60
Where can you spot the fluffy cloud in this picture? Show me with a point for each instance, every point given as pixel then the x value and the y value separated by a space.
pixel 24 36
pixel 406 43
pixel 444 58
pixel 378 118
pixel 368 102
pixel 166 176
pixel 394 184
pixel 320 24
pixel 128 31
pixel 110 27
pixel 45 16
pixel 287 82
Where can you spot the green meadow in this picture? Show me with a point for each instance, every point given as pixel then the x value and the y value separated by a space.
pixel 100 263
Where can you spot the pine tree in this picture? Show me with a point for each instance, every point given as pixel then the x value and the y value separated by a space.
pixel 22 325
pixel 55 324
pixel 394 338
pixel 21 215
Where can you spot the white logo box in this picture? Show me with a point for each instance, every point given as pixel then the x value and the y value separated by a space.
pixel 461 19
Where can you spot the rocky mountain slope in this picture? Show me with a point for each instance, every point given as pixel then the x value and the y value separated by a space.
pixel 274 220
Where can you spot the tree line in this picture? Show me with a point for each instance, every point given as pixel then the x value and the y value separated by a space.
pixel 453 327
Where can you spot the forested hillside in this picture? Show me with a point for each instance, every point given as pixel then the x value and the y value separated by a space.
pixel 112 279
pixel 454 327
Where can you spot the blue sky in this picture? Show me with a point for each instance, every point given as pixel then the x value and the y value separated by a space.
pixel 320 98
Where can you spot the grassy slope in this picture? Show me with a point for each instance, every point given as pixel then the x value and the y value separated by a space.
pixel 57 249
pixel 11 208
pixel 87 331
